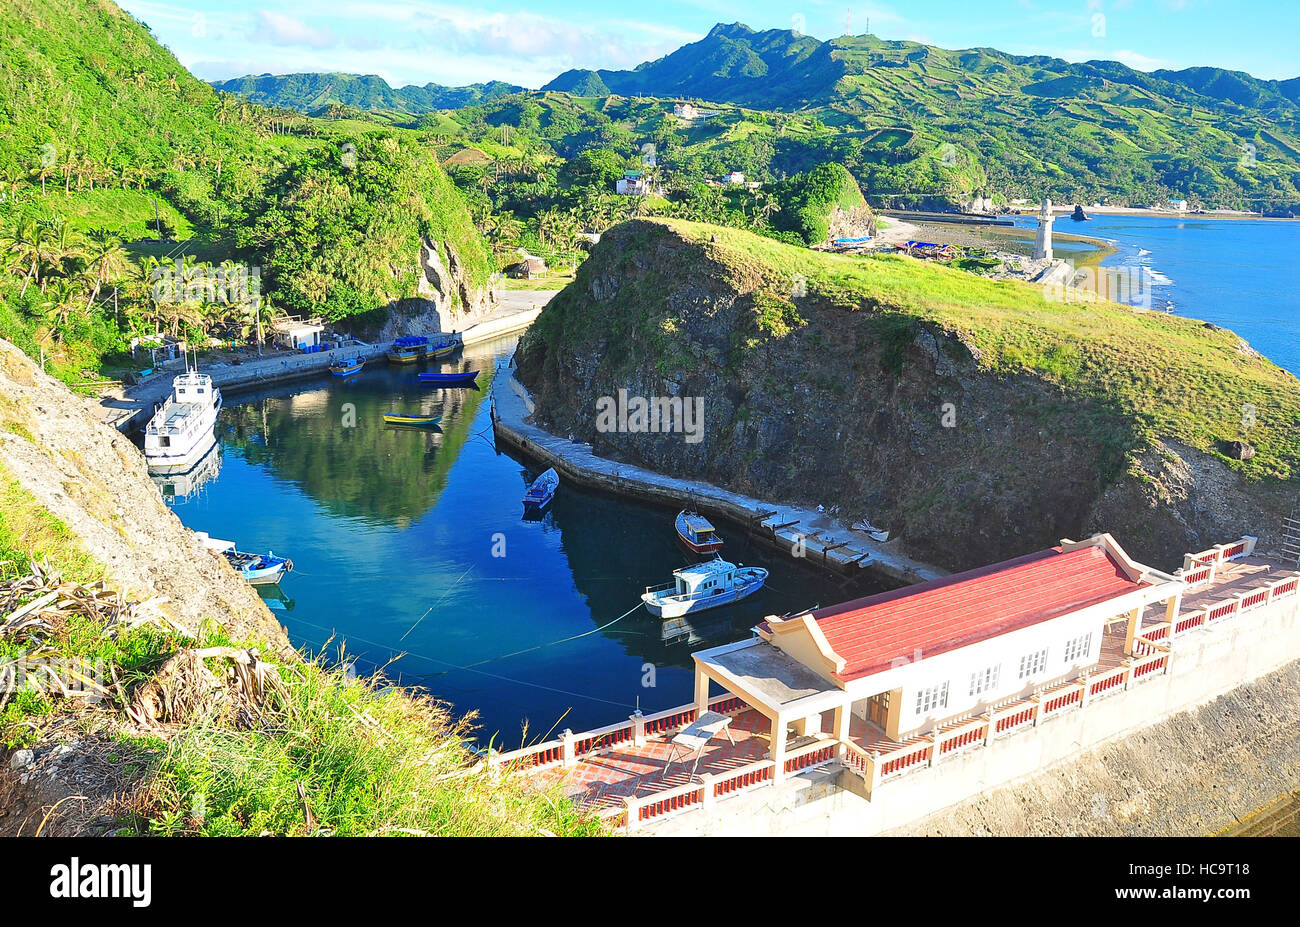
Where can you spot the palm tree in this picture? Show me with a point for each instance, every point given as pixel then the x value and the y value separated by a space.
pixel 106 257
pixel 42 171
pixel 57 305
pixel 29 244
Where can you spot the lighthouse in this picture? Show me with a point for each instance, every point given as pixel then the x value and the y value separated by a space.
pixel 1043 241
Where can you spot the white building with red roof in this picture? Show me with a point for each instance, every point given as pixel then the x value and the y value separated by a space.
pixel 914 659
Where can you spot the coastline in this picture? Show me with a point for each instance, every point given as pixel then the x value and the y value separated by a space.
pixel 824 541
pixel 127 410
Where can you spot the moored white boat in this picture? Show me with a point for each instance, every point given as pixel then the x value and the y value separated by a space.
pixel 180 432
pixel 703 586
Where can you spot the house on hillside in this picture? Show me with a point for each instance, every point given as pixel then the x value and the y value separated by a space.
pixel 685 111
pixel 634 183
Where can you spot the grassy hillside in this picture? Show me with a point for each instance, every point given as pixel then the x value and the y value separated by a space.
pixel 1055 407
pixel 364 758
pixel 107 142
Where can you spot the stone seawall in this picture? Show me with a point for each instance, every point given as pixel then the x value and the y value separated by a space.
pixel 131 412
pixel 1185 753
pixel 821 540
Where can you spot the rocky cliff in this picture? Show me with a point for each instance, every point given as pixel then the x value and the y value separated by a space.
pixel 975 420
pixel 94 480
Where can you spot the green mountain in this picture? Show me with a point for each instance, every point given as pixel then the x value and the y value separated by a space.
pixel 316 93
pixel 918 125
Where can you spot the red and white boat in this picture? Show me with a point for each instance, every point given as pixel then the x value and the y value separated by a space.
pixel 696 532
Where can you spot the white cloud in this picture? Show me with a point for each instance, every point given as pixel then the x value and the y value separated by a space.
pixel 279 29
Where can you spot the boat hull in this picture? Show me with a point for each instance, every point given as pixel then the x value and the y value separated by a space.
pixel 346 371
pixel 415 420
pixel 449 379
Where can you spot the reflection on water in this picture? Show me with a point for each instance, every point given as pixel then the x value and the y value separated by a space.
pixel 411 548
pixel 184 485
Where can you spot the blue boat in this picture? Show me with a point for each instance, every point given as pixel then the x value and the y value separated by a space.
pixel 347 366
pixel 466 378
pixel 541 492
pixel 259 569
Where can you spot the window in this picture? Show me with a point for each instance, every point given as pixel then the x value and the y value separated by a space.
pixel 933 697
pixel 1031 664
pixel 1078 648
pixel 985 679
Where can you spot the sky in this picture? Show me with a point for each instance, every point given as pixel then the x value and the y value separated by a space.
pixel 528 43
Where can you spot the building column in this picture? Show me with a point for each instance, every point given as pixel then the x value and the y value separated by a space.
pixel 895 717
pixel 1134 619
pixel 778 747
pixel 1172 608
pixel 701 692
pixel 840 723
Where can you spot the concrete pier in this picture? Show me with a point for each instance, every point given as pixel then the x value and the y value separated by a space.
pixel 797 530
pixel 131 409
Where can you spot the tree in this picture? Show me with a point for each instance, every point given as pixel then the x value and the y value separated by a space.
pixel 106 258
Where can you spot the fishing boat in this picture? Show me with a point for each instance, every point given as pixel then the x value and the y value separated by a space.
pixel 347 366
pixel 256 569
pixel 697 533
pixel 445 347
pixel 703 586
pixel 180 432
pixel 393 418
pixel 541 491
pixel 466 378
pixel 409 349
pixel 259 569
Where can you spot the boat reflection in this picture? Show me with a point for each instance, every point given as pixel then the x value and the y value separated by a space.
pixel 182 486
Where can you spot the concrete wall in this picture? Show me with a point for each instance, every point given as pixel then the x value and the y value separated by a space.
pixel 1207 664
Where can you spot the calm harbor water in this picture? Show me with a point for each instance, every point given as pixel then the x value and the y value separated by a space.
pixel 1238 273
pixel 411 544
pixel 410 547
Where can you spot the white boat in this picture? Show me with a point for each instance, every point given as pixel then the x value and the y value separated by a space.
pixel 180 432
pixel 703 585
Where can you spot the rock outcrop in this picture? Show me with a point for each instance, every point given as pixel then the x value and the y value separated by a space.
pixel 94 480
pixel 814 394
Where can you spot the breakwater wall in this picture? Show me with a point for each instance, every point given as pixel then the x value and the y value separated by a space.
pixel 795 530
pixel 131 411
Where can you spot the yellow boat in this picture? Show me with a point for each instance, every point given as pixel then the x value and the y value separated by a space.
pixel 394 419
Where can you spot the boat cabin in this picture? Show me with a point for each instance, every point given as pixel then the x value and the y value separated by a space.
pixel 704 579
pixel 697 529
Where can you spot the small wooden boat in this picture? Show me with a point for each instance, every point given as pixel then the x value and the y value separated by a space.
pixel 449 379
pixel 445 348
pixel 703 586
pixel 542 491
pixel 393 418
pixel 256 569
pixel 259 569
pixel 347 366
pixel 409 349
pixel 696 532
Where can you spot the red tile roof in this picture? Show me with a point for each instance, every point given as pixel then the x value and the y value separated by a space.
pixel 967 608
